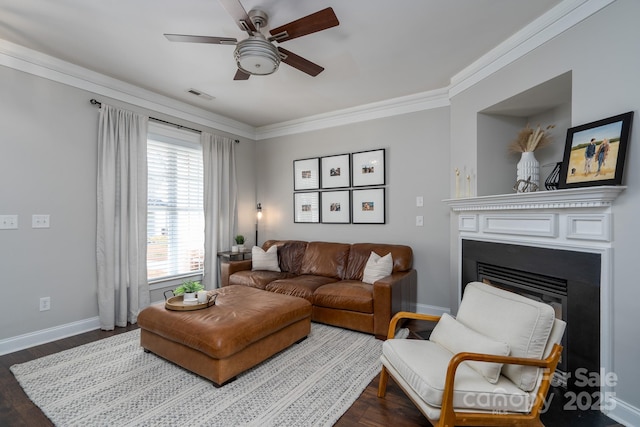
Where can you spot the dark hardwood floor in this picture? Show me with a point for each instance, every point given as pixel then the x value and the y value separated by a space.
pixel 395 409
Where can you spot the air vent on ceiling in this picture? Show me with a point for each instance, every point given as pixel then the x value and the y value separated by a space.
pixel 200 94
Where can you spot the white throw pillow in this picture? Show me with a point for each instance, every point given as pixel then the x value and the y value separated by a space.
pixel 264 260
pixel 457 338
pixel 377 267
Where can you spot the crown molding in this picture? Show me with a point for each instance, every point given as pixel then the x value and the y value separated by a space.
pixel 54 69
pixel 376 110
pixel 556 21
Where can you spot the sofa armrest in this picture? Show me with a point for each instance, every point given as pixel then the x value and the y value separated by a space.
pixel 228 268
pixel 391 294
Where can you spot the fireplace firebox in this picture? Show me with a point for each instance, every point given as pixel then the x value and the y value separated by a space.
pixel 567 280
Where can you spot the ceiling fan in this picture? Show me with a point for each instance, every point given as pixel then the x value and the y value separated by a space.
pixel 257 54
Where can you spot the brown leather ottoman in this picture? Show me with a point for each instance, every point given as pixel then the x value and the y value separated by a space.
pixel 244 328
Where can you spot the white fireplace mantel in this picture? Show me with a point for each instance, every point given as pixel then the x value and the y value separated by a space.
pixel 560 216
pixel 576 219
pixel 584 197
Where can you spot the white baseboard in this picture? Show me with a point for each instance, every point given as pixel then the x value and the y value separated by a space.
pixel 432 309
pixel 20 342
pixel 624 413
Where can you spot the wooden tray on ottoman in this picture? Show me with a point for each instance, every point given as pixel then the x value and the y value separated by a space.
pixel 245 327
pixel 177 303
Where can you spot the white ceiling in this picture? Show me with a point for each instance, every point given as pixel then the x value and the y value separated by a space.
pixel 381 50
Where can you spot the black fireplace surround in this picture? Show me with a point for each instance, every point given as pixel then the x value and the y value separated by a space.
pixel 570 280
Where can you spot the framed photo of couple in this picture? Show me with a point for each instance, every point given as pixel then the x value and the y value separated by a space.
pixel 595 152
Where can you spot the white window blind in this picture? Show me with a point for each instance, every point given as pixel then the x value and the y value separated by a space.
pixel 175 219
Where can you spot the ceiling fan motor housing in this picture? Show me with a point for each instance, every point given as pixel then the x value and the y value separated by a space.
pixel 257 56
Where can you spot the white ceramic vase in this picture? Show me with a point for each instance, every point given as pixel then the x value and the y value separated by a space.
pixel 528 169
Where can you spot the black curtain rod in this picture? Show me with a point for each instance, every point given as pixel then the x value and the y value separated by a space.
pixel 94 101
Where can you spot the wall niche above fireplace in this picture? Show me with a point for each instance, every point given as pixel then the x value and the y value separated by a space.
pixel 545 104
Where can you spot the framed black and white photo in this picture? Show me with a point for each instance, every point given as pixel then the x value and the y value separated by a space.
pixel 335 206
pixel 335 171
pixel 367 206
pixel 306 174
pixel 368 168
pixel 306 207
pixel 595 152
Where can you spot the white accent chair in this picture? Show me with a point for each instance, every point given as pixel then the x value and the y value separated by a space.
pixel 490 366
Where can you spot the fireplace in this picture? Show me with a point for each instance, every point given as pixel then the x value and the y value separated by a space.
pixel 567 280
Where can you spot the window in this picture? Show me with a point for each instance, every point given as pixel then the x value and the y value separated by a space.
pixel 175 218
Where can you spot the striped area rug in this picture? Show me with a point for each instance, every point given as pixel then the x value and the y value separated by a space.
pixel 112 382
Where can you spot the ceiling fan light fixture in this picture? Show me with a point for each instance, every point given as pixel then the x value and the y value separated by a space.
pixel 257 56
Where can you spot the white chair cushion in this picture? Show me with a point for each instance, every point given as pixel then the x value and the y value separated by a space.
pixel 522 323
pixel 423 366
pixel 457 338
pixel 377 267
pixel 264 260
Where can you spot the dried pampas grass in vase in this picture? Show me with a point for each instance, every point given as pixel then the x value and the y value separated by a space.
pixel 530 140
pixel 528 171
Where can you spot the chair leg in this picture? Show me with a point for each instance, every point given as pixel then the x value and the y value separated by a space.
pixel 382 384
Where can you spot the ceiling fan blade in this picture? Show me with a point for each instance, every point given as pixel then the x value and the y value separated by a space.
pixel 200 39
pixel 241 75
pixel 300 63
pixel 237 12
pixel 315 22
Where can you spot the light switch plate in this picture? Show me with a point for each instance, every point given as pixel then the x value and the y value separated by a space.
pixel 40 221
pixel 419 201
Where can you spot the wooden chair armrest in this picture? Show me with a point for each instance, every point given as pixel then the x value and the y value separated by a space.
pixel 549 364
pixel 401 315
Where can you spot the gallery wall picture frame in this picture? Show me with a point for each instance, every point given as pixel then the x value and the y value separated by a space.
pixel 335 207
pixel 368 168
pixel 368 206
pixel 306 174
pixel 595 152
pixel 306 207
pixel 335 171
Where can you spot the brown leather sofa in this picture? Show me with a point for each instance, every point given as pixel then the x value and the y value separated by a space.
pixel 329 275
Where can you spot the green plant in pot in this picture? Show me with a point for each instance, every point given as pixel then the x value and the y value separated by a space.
pixel 240 241
pixel 188 288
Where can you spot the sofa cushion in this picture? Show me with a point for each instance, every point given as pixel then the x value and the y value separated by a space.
pixel 264 260
pixel 457 338
pixel 290 253
pixel 423 364
pixel 360 252
pixel 522 323
pixel 348 295
pixel 299 286
pixel 256 279
pixel 325 259
pixel 377 267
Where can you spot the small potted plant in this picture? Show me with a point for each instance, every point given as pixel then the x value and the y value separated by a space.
pixel 240 241
pixel 188 288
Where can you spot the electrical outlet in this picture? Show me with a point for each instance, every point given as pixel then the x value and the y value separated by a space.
pixel 45 303
pixel 8 222
pixel 419 221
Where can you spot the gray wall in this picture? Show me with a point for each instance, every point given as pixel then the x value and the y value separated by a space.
pixel 602 54
pixel 417 159
pixel 48 140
